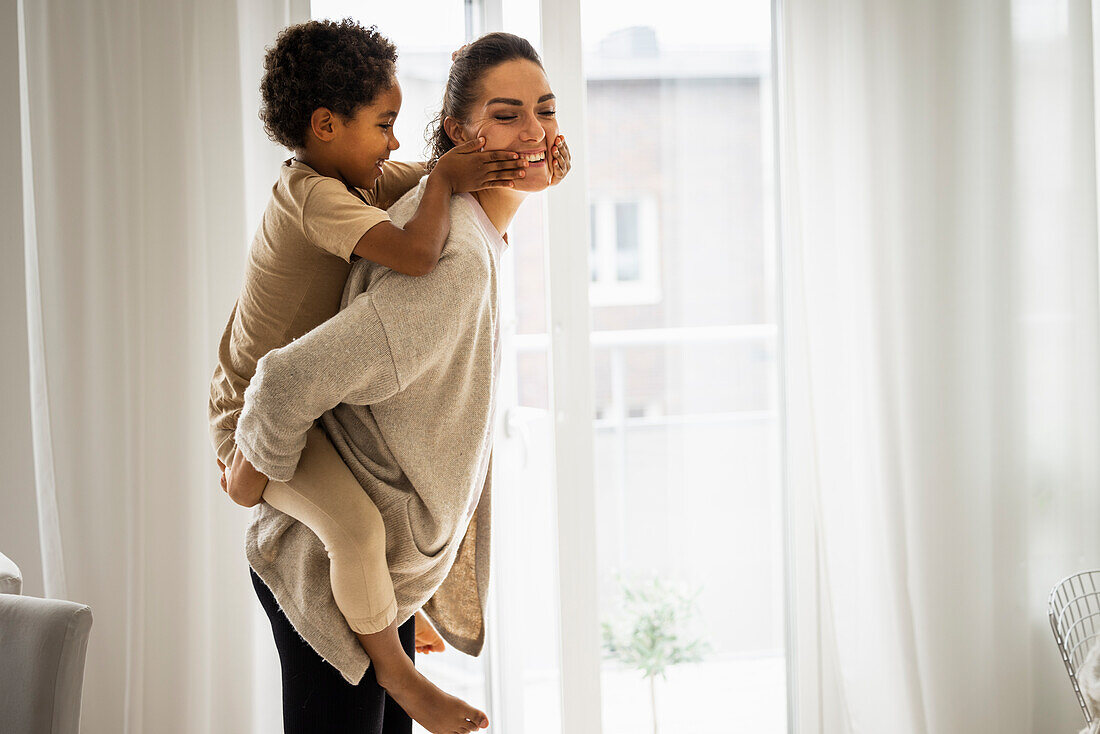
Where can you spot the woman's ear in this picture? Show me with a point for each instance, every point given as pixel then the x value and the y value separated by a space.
pixel 322 124
pixel 454 130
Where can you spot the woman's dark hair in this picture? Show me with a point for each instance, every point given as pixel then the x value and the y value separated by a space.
pixel 470 65
pixel 339 65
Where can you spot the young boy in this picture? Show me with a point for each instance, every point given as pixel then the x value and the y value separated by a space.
pixel 330 95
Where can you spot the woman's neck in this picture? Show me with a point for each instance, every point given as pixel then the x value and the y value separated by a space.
pixel 500 206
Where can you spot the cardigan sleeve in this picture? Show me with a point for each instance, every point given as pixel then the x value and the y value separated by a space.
pixel 345 359
pixel 379 344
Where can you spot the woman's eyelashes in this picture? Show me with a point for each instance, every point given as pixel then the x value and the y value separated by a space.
pixel 508 118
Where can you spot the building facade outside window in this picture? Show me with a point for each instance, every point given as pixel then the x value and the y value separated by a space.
pixel 625 254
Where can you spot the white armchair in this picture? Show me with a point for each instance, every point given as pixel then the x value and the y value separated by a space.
pixel 43 644
pixel 11 581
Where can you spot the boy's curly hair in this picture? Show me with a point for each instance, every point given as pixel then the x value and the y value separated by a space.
pixel 339 65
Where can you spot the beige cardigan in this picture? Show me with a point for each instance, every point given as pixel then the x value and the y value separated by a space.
pixel 404 378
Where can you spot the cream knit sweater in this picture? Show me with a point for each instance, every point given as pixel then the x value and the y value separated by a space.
pixel 403 378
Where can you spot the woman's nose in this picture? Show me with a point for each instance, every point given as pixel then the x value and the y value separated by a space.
pixel 532 131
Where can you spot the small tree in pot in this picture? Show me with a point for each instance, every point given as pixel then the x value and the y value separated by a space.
pixel 646 633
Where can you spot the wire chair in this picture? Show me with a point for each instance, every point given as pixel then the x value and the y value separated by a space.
pixel 1074 606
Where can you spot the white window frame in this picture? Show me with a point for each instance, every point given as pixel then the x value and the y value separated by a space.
pixel 572 393
pixel 571 375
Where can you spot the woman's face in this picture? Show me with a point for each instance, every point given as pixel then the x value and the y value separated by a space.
pixel 515 111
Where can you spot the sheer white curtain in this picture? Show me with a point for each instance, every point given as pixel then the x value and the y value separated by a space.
pixel 942 355
pixel 143 164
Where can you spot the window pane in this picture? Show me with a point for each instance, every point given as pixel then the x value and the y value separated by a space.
pixel 689 524
pixel 524 628
pixel 593 244
pixel 628 250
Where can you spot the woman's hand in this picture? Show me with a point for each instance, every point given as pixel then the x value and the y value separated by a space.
pixel 427 639
pixel 244 484
pixel 559 154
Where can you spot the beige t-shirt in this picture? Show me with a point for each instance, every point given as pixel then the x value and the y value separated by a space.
pixel 294 278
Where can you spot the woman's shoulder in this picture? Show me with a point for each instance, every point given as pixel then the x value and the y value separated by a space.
pixel 464 266
pixel 405 207
pixel 464 240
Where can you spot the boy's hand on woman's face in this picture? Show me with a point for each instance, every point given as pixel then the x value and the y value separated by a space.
pixel 469 168
pixel 560 160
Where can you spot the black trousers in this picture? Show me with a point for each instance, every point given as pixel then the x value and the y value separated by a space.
pixel 316 698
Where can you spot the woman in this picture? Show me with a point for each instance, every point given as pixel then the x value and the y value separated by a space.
pixel 403 379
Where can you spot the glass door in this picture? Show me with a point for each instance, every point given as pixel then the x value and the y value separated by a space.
pixel 683 310
pixel 681 299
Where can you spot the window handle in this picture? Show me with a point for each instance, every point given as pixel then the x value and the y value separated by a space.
pixel 516 427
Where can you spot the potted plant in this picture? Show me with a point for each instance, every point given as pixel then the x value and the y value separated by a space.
pixel 647 631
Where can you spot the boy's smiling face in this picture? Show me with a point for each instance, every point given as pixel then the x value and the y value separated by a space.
pixel 354 148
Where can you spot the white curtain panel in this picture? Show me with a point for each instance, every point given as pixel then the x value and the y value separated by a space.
pixel 938 174
pixel 144 163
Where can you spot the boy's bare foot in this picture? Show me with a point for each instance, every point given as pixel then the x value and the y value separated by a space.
pixel 436 711
pixel 433 709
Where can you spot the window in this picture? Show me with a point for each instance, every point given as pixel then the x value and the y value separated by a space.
pixel 683 367
pixel 624 259
pixel 683 370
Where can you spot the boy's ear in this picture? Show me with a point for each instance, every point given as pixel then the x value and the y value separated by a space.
pixel 454 130
pixel 322 124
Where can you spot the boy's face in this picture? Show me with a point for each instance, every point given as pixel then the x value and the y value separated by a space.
pixel 362 142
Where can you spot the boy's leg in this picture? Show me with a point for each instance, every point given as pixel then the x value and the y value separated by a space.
pixel 394 718
pixel 316 698
pixel 326 497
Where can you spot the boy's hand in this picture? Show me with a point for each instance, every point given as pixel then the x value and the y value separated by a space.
pixel 427 639
pixel 244 484
pixel 469 168
pixel 559 155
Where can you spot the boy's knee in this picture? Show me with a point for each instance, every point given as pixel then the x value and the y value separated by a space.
pixel 364 525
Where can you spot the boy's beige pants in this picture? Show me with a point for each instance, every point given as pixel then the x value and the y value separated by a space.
pixel 325 496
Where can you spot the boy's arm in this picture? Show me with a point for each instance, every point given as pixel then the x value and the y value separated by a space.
pixel 352 359
pixel 415 248
pixel 346 358
pixel 397 178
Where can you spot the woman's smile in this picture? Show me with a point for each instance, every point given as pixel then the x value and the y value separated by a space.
pixel 534 158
